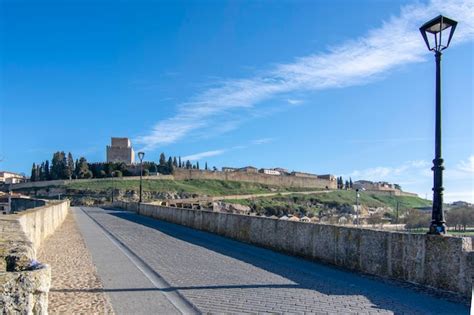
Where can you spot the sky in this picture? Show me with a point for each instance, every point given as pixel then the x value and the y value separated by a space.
pixel 341 87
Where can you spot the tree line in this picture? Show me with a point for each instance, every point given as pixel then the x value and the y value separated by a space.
pixel 341 184
pixel 63 166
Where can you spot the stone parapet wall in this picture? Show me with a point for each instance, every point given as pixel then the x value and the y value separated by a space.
pixel 22 290
pixel 435 261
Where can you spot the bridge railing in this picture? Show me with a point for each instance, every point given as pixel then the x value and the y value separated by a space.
pixel 442 262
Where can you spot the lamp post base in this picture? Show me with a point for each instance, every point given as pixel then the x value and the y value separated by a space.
pixel 437 228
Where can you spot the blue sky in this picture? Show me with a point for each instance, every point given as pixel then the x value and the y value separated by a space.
pixel 339 87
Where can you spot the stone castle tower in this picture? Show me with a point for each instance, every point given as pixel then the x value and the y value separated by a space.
pixel 120 150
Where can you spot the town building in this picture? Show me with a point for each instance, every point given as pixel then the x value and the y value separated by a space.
pixel 283 171
pixel 11 177
pixel 269 171
pixel 328 177
pixel 369 185
pixel 248 169
pixel 301 174
pixel 229 169
pixel 120 150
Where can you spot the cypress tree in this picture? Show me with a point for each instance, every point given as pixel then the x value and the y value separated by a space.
pixel 33 173
pixel 180 165
pixel 175 162
pixel 162 159
pixel 170 165
pixel 70 166
pixel 47 176
pixel 205 167
pixel 197 165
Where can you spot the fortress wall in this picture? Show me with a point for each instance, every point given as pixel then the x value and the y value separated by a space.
pixel 183 174
pixel 273 180
pixel 442 262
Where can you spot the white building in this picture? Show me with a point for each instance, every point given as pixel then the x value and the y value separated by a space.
pixel 11 178
pixel 269 171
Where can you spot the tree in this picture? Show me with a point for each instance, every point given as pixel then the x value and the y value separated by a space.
pixel 83 168
pixel 58 166
pixel 205 167
pixel 33 173
pixel 188 165
pixel 47 176
pixel 347 185
pixel 397 186
pixel 117 173
pixel 180 165
pixel 162 159
pixel 197 165
pixel 350 183
pixel 170 165
pixel 41 172
pixel 175 162
pixel 70 165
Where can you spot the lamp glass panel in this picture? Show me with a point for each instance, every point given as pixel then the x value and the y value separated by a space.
pixel 445 36
pixel 438 27
pixel 431 40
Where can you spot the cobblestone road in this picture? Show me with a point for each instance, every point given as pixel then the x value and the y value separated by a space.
pixel 219 275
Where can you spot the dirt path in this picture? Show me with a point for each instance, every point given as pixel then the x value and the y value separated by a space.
pixel 75 287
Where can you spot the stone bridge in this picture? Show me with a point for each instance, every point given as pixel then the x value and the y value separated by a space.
pixel 150 266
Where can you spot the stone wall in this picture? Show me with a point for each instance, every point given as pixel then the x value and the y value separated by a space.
pixel 440 262
pixel 20 204
pixel 183 174
pixel 273 180
pixel 23 290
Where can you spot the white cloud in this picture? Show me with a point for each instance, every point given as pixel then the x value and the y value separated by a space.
pixel 201 155
pixel 416 176
pixel 294 101
pixel 467 166
pixel 262 141
pixel 396 42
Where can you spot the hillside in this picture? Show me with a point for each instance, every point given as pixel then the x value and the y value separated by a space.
pixel 196 187
pixel 341 200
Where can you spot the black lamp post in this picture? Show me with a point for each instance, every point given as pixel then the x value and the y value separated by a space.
pixel 140 156
pixel 437 34
pixel 357 207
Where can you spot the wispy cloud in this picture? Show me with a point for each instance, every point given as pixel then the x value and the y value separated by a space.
pixel 263 141
pixel 392 174
pixel 294 101
pixel 467 166
pixel 416 176
pixel 201 155
pixel 397 42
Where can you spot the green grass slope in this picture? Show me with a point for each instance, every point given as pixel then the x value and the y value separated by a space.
pixel 199 187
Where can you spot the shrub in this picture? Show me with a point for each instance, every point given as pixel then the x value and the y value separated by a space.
pixel 117 174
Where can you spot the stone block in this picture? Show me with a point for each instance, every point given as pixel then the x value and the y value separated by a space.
pixel 348 247
pixel 324 243
pixel 303 239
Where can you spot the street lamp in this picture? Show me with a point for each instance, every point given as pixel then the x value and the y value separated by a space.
pixel 140 156
pixel 437 34
pixel 357 206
